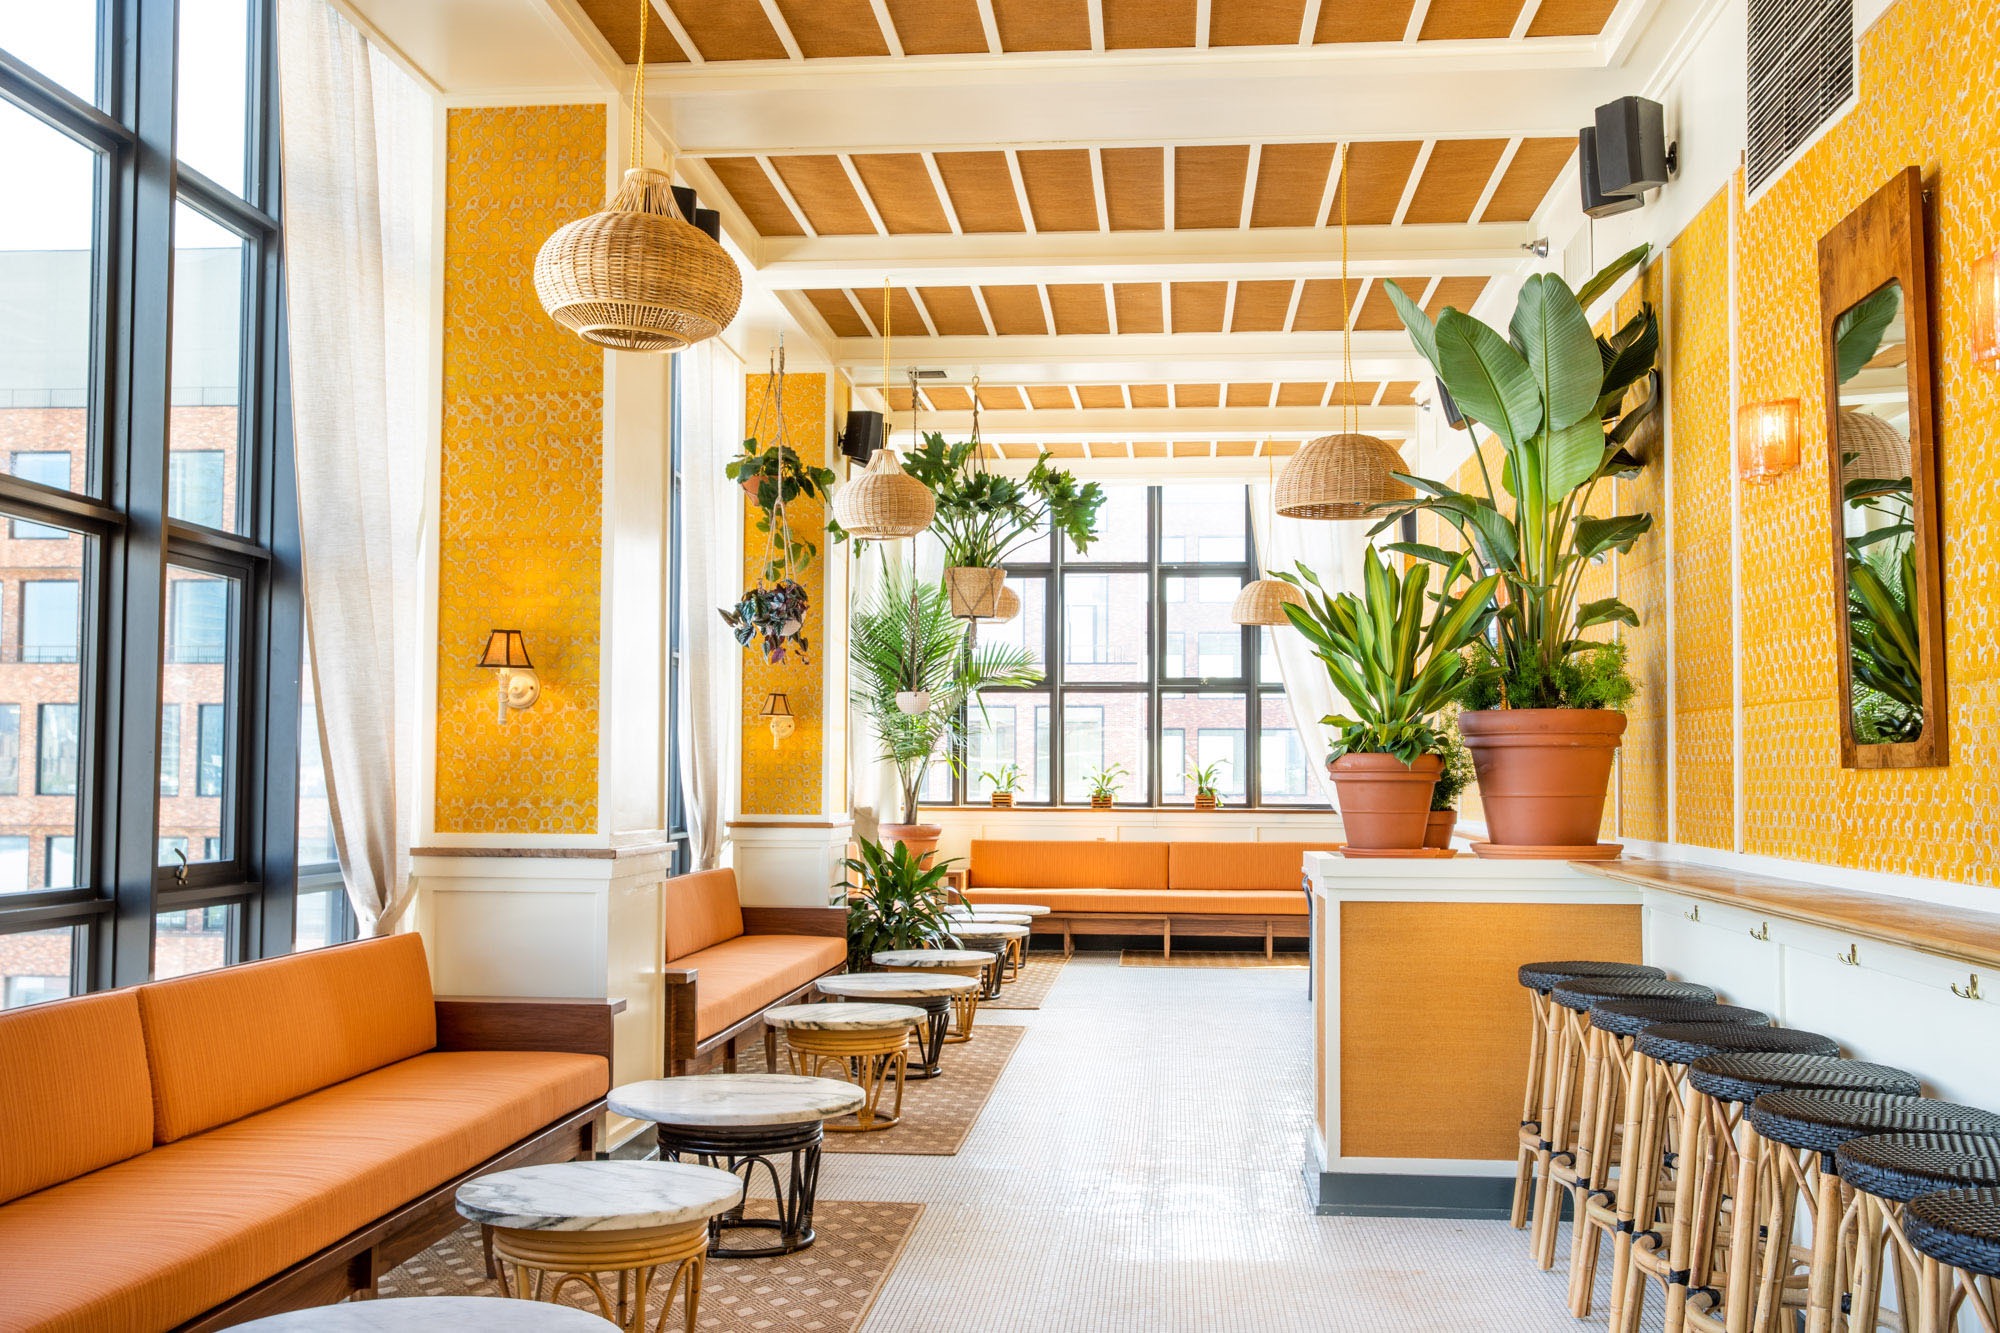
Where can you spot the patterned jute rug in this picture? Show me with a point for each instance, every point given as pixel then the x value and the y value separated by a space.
pixel 1028 990
pixel 1195 958
pixel 826 1288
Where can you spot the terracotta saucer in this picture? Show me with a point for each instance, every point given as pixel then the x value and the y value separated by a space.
pixel 1589 851
pixel 1398 853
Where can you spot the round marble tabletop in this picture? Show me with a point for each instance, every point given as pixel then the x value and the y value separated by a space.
pixel 1015 909
pixel 843 1017
pixel 987 930
pixel 999 918
pixel 434 1314
pixel 896 985
pixel 735 1100
pixel 929 958
pixel 598 1196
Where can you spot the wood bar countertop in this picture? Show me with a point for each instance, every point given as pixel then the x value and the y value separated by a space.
pixel 1948 932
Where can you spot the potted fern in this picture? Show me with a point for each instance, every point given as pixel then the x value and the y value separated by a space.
pixel 1454 776
pixel 1005 781
pixel 895 900
pixel 1207 782
pixel 1103 784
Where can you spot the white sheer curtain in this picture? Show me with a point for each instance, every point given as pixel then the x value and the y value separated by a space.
pixel 710 416
pixel 357 256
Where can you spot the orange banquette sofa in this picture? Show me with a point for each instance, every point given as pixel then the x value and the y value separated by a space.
pixel 195 1153
pixel 727 964
pixel 1144 888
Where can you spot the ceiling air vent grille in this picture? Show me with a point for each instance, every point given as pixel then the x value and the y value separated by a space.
pixel 1801 65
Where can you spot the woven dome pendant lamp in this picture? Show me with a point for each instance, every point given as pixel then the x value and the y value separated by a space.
pixel 885 503
pixel 637 276
pixel 1342 476
pixel 1263 602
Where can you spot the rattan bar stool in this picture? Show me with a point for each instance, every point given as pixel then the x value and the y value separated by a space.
pixel 1810 1127
pixel 1537 1107
pixel 1581 1089
pixel 1887 1171
pixel 1957 1233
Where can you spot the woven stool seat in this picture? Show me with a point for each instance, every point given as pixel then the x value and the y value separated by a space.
pixel 1685 1043
pixel 1822 1121
pixel 1545 977
pixel 1958 1227
pixel 1744 1076
pixel 1581 993
pixel 1899 1167
pixel 1625 1018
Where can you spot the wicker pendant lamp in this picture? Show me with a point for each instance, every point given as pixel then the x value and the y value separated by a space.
pixel 637 276
pixel 1263 602
pixel 1342 476
pixel 885 502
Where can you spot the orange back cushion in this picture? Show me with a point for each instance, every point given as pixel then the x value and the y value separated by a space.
pixel 77 1095
pixel 229 1043
pixel 702 909
pixel 1269 866
pixel 1002 864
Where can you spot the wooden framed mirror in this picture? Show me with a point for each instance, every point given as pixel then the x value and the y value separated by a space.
pixel 1875 327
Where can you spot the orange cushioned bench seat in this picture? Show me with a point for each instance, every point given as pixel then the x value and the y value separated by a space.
pixel 1152 902
pixel 750 973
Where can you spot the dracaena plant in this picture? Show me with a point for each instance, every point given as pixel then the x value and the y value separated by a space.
pixel 1553 394
pixel 981 514
pixel 1396 655
pixel 894 901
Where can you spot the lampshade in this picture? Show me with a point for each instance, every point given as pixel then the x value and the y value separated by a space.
pixel 1007 607
pixel 1872 448
pixel 1341 477
pixel 884 502
pixel 506 648
pixel 1767 439
pixel 775 705
pixel 1263 603
pixel 1986 311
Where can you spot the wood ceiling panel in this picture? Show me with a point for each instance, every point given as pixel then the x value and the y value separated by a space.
pixel 820 185
pixel 729 32
pixel 1571 18
pixel 1025 451
pixel 1015 308
pixel 1149 449
pixel 1377 21
pixel 1149 395
pixel 1298 394
pixel 1061 194
pixel 1360 393
pixel 618 20
pixel 1191 449
pixel 1527 180
pixel 937 27
pixel 1459 293
pixel 1080 307
pixel 1291 179
pixel 901 188
pixel 1142 25
pixel 1135 188
pixel 1208 185
pixel 1376 175
pixel 1100 397
pixel 949 398
pixel 954 311
pixel 982 191
pixel 1042 25
pixel 1399 393
pixel 905 321
pixel 898 400
pixel 1255 22
pixel 1002 398
pixel 1247 395
pixel 1198 306
pixel 833 28
pixel 1197 395
pixel 1063 450
pixel 1138 305
pixel 1261 306
pixel 1467 20
pixel 1280 448
pixel 1235 448
pixel 1319 304
pixel 1454 178
pixel 839 315
pixel 1050 397
pixel 751 188
pixel 1376 314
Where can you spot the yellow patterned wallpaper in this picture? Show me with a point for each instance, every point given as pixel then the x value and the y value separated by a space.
pixel 1641 581
pixel 520 522
pixel 786 780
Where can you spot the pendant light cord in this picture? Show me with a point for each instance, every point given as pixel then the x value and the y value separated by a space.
pixel 636 155
pixel 1350 420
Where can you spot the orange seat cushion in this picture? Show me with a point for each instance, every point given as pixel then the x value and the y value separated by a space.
pixel 1240 865
pixel 158 1239
pixel 1004 863
pixel 1161 902
pixel 747 975
pixel 701 909
pixel 75 1093
pixel 228 1043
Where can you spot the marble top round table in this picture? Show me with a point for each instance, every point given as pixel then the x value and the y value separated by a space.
pixel 434 1314
pixel 986 929
pixel 843 1017
pixel 932 958
pixel 729 1101
pixel 598 1196
pixel 1013 909
pixel 896 985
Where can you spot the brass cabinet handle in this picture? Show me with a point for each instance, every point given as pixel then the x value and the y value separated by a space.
pixel 1694 915
pixel 1852 957
pixel 1763 932
pixel 1970 991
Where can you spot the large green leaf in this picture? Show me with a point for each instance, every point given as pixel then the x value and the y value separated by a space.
pixel 1571 457
pixel 1607 276
pixel 1595 536
pixel 1422 331
pixel 1550 329
pixel 1604 611
pixel 1490 381
pixel 1437 555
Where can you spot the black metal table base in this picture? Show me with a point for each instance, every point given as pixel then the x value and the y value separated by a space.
pixel 741 1151
pixel 930 1036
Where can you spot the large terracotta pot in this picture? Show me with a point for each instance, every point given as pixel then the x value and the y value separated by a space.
pixel 921 839
pixel 975 591
pixel 1543 773
pixel 1385 803
pixel 1437 832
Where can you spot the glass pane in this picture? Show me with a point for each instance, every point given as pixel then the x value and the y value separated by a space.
pixel 10 749
pixel 936 789
pixel 315 811
pixel 1029 627
pixel 1202 642
pixel 199 939
pixel 1197 730
pixel 46 273
pixel 40 716
pixel 1013 730
pixel 203 428
pixel 35 965
pixel 1100 730
pixel 1283 770
pixel 212 107
pixel 58 41
pixel 50 625
pixel 1121 529
pixel 320 919
pixel 1031 549
pixel 199 684
pixel 1267 657
pixel 1203 523
pixel 1105 627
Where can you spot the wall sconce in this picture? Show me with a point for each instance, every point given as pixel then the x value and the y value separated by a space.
pixel 1986 312
pixel 778 710
pixel 1767 439
pixel 507 653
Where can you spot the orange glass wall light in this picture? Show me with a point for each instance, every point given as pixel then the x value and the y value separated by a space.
pixel 1986 311
pixel 507 653
pixel 1767 439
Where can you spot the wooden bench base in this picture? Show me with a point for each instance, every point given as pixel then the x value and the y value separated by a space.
pixel 1270 929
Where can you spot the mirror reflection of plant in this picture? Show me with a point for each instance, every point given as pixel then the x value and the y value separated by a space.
pixel 1857 334
pixel 1883 635
pixel 894 901
pixel 774 478
pixel 981 514
pixel 1103 783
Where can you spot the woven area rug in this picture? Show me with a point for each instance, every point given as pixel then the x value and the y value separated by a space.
pixel 1028 990
pixel 1195 958
pixel 826 1288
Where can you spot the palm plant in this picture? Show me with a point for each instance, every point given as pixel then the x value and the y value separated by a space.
pixel 894 901
pixel 915 676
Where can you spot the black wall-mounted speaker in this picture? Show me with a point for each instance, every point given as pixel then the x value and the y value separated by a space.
pixel 1446 404
pixel 1596 202
pixel 862 435
pixel 1632 152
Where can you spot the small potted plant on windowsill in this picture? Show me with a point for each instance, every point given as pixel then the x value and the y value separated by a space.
pixel 1454 776
pixel 1207 782
pixel 1104 784
pixel 1005 781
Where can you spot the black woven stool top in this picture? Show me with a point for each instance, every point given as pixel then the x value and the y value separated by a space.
pixel 1627 1017
pixel 1822 1121
pixel 1545 977
pixel 1961 1227
pixel 1579 994
pixel 1902 1166
pixel 1685 1043
pixel 1744 1076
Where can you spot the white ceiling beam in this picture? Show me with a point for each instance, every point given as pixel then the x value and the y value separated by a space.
pixel 1525 20
pixel 770 171
pixel 1309 23
pixel 1203 18
pixel 672 23
pixel 890 37
pixel 776 17
pixel 1416 179
pixel 1096 25
pixel 1330 196
pixel 861 192
pixel 1493 181
pixel 1250 184
pixel 1415 27
pixel 990 26
pixel 943 195
pixel 1143 358
pixel 1020 191
pixel 1097 189
pixel 1160 423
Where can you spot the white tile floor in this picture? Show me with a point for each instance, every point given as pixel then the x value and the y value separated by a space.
pixel 1140 1167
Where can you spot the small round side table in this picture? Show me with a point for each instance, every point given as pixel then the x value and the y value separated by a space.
pixel 977 934
pixel 432 1314
pixel 871 1040
pixel 960 962
pixel 934 994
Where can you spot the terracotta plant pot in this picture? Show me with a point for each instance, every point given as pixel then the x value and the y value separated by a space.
pixel 1003 800
pixel 1543 773
pixel 975 591
pixel 1437 833
pixel 1101 802
pixel 921 839
pixel 1384 802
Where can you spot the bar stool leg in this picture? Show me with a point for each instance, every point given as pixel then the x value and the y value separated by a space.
pixel 1576 1150
pixel 1642 1206
pixel 1823 1291
pixel 1531 1110
pixel 1787 1175
pixel 1738 1286
pixel 1680 1234
pixel 1592 1219
pixel 1555 1135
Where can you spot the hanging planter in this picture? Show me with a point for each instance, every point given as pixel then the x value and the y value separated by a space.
pixel 975 591
pixel 774 614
